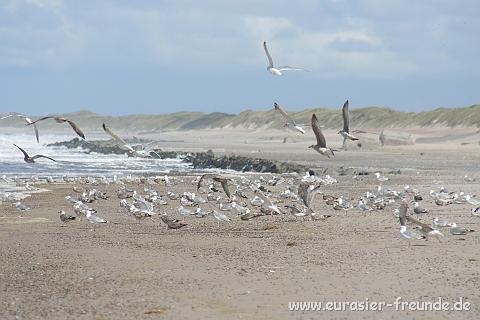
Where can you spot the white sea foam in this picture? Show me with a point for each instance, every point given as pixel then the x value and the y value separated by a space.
pixel 73 162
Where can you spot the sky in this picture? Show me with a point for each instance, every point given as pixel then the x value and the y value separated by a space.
pixel 145 56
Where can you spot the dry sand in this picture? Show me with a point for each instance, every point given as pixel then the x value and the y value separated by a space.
pixel 129 269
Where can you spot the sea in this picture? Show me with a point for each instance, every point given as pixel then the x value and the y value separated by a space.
pixel 74 162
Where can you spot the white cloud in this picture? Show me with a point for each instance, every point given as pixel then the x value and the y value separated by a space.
pixel 366 38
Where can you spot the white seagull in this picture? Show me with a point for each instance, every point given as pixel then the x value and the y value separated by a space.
pixel 290 124
pixel 277 71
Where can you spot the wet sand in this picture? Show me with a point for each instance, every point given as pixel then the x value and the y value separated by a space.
pixel 129 269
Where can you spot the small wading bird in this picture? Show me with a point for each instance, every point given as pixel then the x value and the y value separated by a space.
pixel 321 146
pixel 277 71
pixel 29 159
pixel 27 120
pixel 345 133
pixel 290 124
pixel 62 120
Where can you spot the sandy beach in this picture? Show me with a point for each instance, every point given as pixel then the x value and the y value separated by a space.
pixel 131 269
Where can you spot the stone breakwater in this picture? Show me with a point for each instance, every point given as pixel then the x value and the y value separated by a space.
pixel 199 160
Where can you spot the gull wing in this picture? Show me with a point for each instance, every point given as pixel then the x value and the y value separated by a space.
pixel 41 156
pixel 27 120
pixel 269 57
pixel 41 119
pixel 290 68
pixel 23 151
pixel 318 132
pixel 263 197
pixel 283 113
pixel 224 183
pixel 35 129
pixel 119 140
pixel 205 176
pixel 403 214
pixel 75 128
pixel 346 121
pixel 303 192
pixel 424 227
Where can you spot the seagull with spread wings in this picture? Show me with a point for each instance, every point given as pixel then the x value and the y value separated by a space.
pixel 346 127
pixel 277 71
pixel 27 120
pixel 136 150
pixel 217 178
pixel 29 159
pixel 321 146
pixel 290 124
pixel 62 120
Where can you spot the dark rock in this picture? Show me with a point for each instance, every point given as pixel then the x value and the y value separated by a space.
pixel 199 160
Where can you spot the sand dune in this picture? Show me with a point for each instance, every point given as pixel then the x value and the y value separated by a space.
pixel 371 117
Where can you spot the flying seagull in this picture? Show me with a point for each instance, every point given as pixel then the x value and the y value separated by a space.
pixel 321 146
pixel 277 71
pixel 407 234
pixel 290 124
pixel 27 120
pixel 29 159
pixel 132 149
pixel 307 192
pixel 217 178
pixel 346 130
pixel 424 228
pixel 267 203
pixel 62 120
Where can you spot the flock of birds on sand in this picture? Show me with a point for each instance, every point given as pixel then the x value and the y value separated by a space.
pixel 248 198
pixel 219 196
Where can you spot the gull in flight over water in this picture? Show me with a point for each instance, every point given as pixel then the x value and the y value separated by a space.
pixel 62 120
pixel 29 159
pixel 290 124
pixel 27 120
pixel 321 146
pixel 136 149
pixel 277 71
pixel 345 133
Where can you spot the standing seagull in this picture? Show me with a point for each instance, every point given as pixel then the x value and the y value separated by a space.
pixel 290 122
pixel 346 130
pixel 321 146
pixel 27 120
pixel 62 120
pixel 29 159
pixel 277 71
